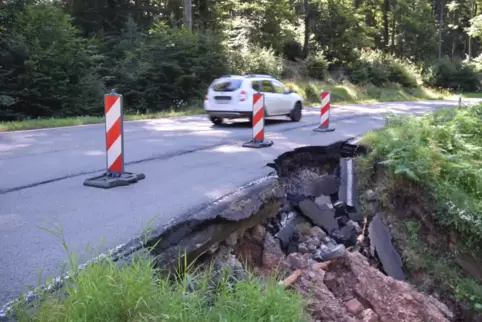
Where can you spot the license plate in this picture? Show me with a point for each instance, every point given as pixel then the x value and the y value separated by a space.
pixel 222 101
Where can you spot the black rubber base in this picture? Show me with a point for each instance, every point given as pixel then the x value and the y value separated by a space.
pixel 324 129
pixel 254 144
pixel 108 180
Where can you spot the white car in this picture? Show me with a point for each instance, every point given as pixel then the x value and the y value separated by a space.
pixel 231 97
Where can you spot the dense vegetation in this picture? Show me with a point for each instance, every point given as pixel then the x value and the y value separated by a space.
pixel 105 292
pixel 434 163
pixel 59 57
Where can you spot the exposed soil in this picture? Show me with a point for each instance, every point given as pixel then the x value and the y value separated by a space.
pixel 409 212
pixel 322 248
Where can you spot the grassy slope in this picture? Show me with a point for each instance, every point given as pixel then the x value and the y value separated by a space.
pixel 340 94
pixel 433 168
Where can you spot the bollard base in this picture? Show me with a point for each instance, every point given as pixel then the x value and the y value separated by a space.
pixel 110 180
pixel 258 144
pixel 324 129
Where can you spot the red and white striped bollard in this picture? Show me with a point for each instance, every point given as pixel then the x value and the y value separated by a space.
pixel 114 140
pixel 325 113
pixel 258 124
pixel 114 143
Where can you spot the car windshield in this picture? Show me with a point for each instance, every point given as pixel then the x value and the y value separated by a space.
pixel 229 85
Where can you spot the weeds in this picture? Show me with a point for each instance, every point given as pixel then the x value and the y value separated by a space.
pixel 106 291
pixel 440 155
pixel 441 152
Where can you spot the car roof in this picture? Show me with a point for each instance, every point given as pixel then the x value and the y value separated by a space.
pixel 248 76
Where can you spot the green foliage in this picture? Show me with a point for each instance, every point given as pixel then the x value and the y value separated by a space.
pixel 107 292
pixel 417 36
pixel 59 57
pixel 442 154
pixel 41 77
pixel 172 68
pixel 253 59
pixel 317 67
pixel 338 31
pixel 292 49
pixel 380 69
pixel 453 74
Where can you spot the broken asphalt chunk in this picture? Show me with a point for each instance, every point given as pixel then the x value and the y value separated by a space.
pixel 288 230
pixel 346 235
pixel 322 217
pixel 381 242
pixel 325 185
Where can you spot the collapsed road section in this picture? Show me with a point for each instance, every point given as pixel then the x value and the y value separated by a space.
pixel 304 222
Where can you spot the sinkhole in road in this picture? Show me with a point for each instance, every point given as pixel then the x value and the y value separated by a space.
pixel 305 223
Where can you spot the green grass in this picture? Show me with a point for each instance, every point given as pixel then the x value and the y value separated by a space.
pixel 346 92
pixel 472 95
pixel 436 160
pixel 106 292
pixel 340 94
pixel 84 120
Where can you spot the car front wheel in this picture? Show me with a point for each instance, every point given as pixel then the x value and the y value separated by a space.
pixel 296 113
pixel 216 120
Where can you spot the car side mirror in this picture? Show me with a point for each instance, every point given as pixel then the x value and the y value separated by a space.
pixel 288 91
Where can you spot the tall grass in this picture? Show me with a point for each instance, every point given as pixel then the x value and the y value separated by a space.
pixel 441 155
pixel 442 152
pixel 106 291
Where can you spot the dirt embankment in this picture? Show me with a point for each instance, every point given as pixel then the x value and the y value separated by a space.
pixel 332 251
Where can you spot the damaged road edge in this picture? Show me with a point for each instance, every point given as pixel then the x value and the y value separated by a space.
pixel 244 208
pixel 227 213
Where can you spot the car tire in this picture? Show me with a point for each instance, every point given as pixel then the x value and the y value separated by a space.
pixel 296 112
pixel 216 120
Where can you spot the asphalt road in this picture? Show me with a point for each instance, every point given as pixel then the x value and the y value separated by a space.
pixel 187 162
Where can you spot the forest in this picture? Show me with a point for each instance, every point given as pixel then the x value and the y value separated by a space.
pixel 59 57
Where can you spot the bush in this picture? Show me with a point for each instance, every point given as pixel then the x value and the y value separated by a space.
pixel 292 49
pixel 317 67
pixel 453 74
pixel 172 68
pixel 377 68
pixel 41 77
pixel 255 60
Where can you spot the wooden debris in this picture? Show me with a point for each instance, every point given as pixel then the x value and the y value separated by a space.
pixel 292 278
pixel 322 265
pixel 296 274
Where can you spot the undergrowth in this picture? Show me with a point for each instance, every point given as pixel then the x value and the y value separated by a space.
pixel 441 152
pixel 108 291
pixel 136 292
pixel 436 159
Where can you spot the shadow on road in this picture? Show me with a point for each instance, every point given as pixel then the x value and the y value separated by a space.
pixel 247 124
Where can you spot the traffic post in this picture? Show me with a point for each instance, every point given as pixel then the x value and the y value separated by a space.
pixel 258 140
pixel 115 175
pixel 325 113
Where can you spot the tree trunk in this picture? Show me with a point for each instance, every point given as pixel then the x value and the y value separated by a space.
pixel 188 14
pixel 441 27
pixel 386 9
pixel 306 44
pixel 473 13
pixel 394 25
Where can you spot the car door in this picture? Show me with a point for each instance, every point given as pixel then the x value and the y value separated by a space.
pixel 270 97
pixel 283 99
